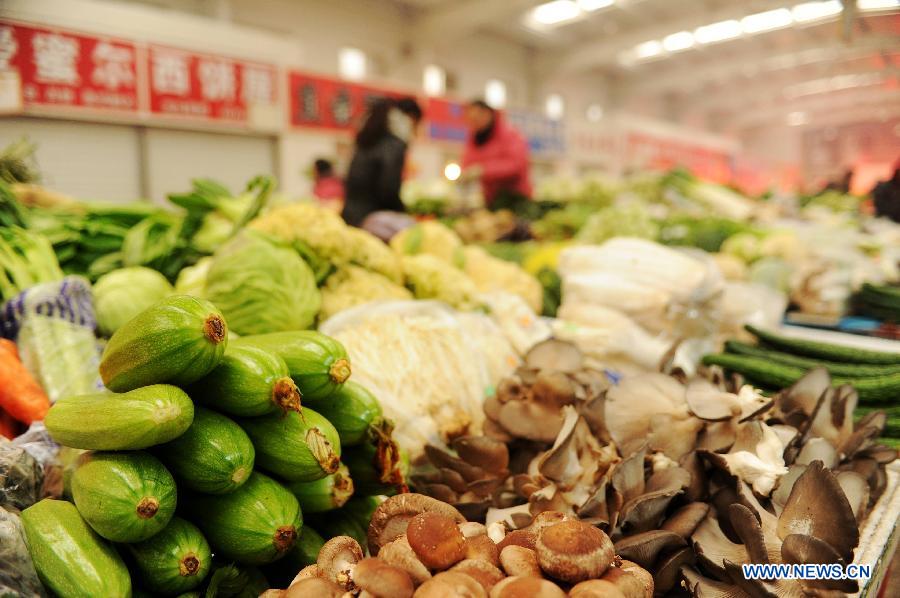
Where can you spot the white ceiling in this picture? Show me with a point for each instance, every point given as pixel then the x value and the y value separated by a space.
pixel 828 68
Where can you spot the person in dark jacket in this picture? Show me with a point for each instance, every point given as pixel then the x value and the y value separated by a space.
pixel 886 196
pixel 376 171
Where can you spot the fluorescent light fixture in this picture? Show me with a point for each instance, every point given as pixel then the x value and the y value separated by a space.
pixel 556 12
pixel 877 4
pixel 718 32
pixel 813 11
pixel 648 49
pixel 554 106
pixel 495 93
pixel 352 64
pixel 678 41
pixel 434 80
pixel 797 119
pixel 590 5
pixel 452 171
pixel 594 113
pixel 767 21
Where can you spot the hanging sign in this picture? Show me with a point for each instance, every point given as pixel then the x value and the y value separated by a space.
pixel 446 120
pixel 327 103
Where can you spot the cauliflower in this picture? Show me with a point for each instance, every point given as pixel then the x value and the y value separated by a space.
pixel 351 286
pixel 493 274
pixel 428 237
pixel 429 277
pixel 371 253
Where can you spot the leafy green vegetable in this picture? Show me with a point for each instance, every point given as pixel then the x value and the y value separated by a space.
pixel 26 259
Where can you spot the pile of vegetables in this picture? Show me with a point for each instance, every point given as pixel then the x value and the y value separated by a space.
pixel 204 445
pixel 777 361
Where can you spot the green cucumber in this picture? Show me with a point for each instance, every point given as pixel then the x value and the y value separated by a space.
pixel 178 340
pixel 768 373
pixel 124 497
pixel 214 455
pixel 351 409
pixel 248 382
pixel 175 560
pixel 318 363
pixel 835 368
pixel 325 494
pixel 137 419
pixel 298 447
pixel 256 524
pixel 71 560
pixel 824 350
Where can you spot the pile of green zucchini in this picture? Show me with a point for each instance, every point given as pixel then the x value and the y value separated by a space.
pixel 204 445
pixel 881 302
pixel 777 361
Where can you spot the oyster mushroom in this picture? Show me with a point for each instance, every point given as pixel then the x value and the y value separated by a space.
pixel 486 574
pixel 856 489
pixel 436 540
pixel 573 551
pixel 554 355
pixel 709 403
pixel 531 420
pixel 526 587
pixel 817 449
pixel 390 518
pixel 337 559
pixel 686 519
pixel 803 549
pixel 645 547
pixel 643 512
pixel 668 569
pixel 382 580
pixel 488 454
pixel 519 561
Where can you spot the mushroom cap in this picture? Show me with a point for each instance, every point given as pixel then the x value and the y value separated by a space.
pixel 519 561
pixel 632 580
pixel 484 549
pixel 381 579
pixel 531 420
pixel 518 537
pixel 336 559
pixel 573 551
pixel 526 587
pixel 401 555
pixel 451 585
pixel 436 540
pixel 668 569
pixel 481 451
pixel 471 529
pixel 313 587
pixel 803 549
pixel 686 519
pixel 483 572
pixel 643 548
pixel 555 355
pixel 598 588
pixel 390 518
pixel 553 388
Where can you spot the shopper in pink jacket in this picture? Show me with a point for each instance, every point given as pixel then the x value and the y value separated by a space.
pixel 496 153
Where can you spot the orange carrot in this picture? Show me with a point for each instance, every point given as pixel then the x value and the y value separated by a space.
pixel 9 428
pixel 20 394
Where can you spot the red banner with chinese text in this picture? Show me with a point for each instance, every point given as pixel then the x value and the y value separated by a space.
pixel 328 103
pixel 190 85
pixel 63 69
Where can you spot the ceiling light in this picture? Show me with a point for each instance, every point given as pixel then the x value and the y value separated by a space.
pixel 352 64
pixel 877 4
pixel 813 11
pixel 554 107
pixel 767 21
pixel 718 32
pixel 589 5
pixel 678 41
pixel 648 49
pixel 434 80
pixel 452 171
pixel 553 13
pixel 495 93
pixel 594 113
pixel 797 119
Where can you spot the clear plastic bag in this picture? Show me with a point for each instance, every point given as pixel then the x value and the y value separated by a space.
pixel 17 574
pixel 21 477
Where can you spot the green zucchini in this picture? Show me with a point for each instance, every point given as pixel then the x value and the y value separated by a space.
pixel 351 409
pixel 824 350
pixel 377 465
pixel 298 447
pixel 339 523
pixel 214 455
pixel 769 373
pixel 304 553
pixel 124 497
pixel 835 368
pixel 248 382
pixel 255 524
pixel 175 560
pixel 178 340
pixel 137 419
pixel 71 560
pixel 318 363
pixel 325 494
